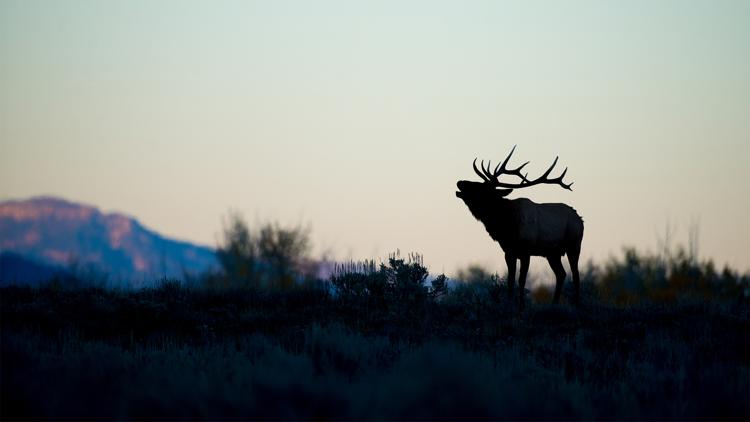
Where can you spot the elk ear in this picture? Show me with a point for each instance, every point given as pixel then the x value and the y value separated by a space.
pixel 503 192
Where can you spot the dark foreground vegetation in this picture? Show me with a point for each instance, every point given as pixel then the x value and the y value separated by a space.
pixel 378 343
pixel 655 337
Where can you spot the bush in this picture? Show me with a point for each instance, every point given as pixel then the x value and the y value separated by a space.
pixel 400 281
pixel 272 257
pixel 659 279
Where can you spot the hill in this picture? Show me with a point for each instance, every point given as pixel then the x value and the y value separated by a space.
pixel 55 232
pixel 15 269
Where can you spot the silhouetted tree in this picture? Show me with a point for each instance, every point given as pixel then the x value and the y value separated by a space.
pixel 269 257
pixel 238 252
pixel 284 251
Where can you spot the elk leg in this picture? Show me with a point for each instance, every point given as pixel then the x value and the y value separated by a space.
pixel 522 277
pixel 510 261
pixel 557 268
pixel 573 260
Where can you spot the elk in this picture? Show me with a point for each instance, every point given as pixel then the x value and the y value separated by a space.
pixel 522 227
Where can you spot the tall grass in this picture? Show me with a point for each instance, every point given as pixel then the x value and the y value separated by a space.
pixel 652 339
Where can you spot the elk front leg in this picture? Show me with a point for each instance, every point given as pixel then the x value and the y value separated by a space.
pixel 510 261
pixel 522 278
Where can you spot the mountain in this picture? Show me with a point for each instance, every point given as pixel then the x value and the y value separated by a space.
pixel 53 232
pixel 15 269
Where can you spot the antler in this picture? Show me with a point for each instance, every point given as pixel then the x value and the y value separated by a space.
pixel 492 177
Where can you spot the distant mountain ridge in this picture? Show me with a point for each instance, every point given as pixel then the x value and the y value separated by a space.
pixel 56 232
pixel 15 269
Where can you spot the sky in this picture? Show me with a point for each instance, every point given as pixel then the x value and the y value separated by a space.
pixel 357 118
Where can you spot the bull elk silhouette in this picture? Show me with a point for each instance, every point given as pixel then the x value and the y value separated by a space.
pixel 522 227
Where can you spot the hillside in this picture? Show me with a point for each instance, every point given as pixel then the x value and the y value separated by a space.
pixel 57 232
pixel 176 353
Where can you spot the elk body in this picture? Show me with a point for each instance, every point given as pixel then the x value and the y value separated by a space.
pixel 524 228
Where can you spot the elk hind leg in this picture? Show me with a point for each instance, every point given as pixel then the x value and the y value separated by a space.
pixel 522 278
pixel 510 261
pixel 557 267
pixel 573 260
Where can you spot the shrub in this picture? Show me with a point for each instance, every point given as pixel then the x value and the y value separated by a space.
pixel 667 279
pixel 399 281
pixel 272 257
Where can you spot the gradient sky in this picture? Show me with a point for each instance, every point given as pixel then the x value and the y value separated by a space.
pixel 359 117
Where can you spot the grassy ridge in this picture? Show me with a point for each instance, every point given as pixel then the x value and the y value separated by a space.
pixel 376 345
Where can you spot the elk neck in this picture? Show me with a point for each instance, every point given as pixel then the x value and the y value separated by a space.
pixel 497 216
